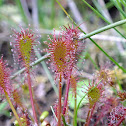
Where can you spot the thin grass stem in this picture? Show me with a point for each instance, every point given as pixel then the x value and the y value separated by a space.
pixel 102 17
pixel 104 28
pixel 113 25
pixel 31 65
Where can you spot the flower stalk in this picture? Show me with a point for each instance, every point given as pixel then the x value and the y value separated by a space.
pixel 12 108
pixel 90 115
pixel 23 46
pixel 59 102
pixel 66 94
pixel 31 96
pixel 75 106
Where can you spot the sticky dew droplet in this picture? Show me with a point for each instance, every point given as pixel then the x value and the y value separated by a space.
pixel 12 50
pixel 68 16
pixel 10 113
pixel 10 43
pixel 35 124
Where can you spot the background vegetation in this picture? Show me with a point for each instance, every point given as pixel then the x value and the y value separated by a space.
pixel 107 49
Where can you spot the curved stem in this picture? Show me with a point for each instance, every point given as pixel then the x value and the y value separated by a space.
pixel 31 65
pixel 102 17
pixel 75 106
pixel 12 108
pixel 87 117
pixel 31 96
pixel 99 118
pixel 66 94
pixel 59 102
pixel 91 113
pixel 96 32
pixel 104 29
pixel 67 111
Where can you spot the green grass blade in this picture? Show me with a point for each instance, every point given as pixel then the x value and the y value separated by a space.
pixel 21 10
pixel 109 56
pixel 99 8
pixel 109 5
pixel 31 65
pixel 81 101
pixel 40 12
pixel 119 8
pixel 52 13
pixel 1 3
pixel 53 113
pixel 102 17
pixel 95 65
pixel 92 39
pixel 123 2
pixel 64 121
pixel 104 28
pixel 34 64
pixel 47 71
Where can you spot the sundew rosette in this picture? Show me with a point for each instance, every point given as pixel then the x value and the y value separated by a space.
pixel 6 87
pixel 4 78
pixel 59 54
pixel 94 93
pixel 117 115
pixel 63 50
pixel 71 35
pixel 104 74
pixel 25 40
pixel 23 45
pixel 17 101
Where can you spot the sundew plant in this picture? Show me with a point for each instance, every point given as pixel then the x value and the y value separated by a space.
pixel 83 65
